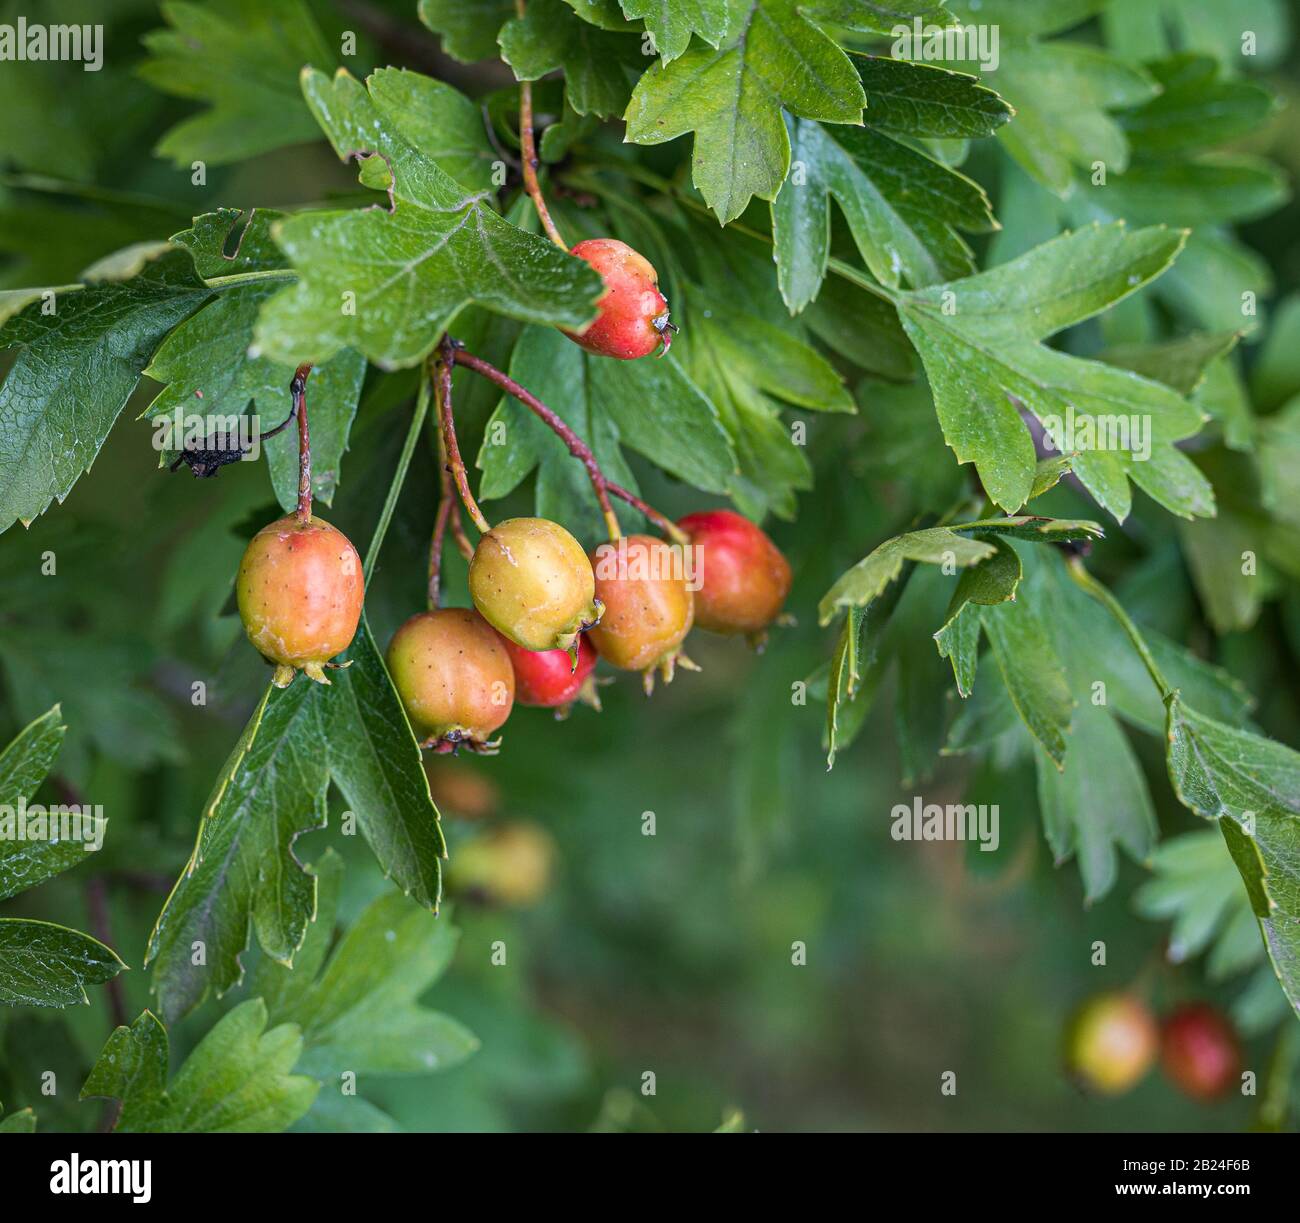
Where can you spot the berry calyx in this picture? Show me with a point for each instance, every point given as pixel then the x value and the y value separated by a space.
pixel 743 578
pixel 1110 1043
pixel 548 679
pixel 532 582
pixel 454 677
pixel 633 318
pixel 1199 1051
pixel 648 606
pixel 300 590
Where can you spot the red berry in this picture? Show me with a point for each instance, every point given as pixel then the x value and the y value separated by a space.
pixel 1110 1043
pixel 454 677
pixel 743 578
pixel 300 591
pixel 633 318
pixel 547 678
pixel 1199 1051
pixel 532 582
pixel 648 606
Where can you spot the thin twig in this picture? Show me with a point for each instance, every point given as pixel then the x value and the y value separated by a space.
pixel 528 153
pixel 577 447
pixel 298 389
pixel 447 503
pixel 442 388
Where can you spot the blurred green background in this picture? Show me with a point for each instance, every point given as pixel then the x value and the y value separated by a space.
pixel 670 953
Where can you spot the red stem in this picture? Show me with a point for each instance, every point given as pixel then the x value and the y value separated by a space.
pixel 298 389
pixel 442 386
pixel 577 447
pixel 528 152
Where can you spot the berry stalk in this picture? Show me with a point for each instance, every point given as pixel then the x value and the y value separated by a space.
pixel 298 389
pixel 577 447
pixel 442 387
pixel 528 150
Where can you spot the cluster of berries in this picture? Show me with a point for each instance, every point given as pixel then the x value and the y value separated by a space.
pixel 543 609
pixel 1113 1039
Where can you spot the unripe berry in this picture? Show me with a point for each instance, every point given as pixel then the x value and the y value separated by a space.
pixel 648 606
pixel 532 582
pixel 1110 1043
pixel 743 578
pixel 508 865
pixel 300 591
pixel 1199 1051
pixel 454 678
pixel 633 318
pixel 548 679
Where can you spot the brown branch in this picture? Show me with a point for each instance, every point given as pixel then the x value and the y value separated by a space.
pixel 298 389
pixel 442 388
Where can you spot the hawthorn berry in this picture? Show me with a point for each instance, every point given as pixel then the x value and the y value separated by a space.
pixel 1110 1043
pixel 509 864
pixel 633 318
pixel 743 577
pixel 648 606
pixel 548 679
pixel 300 591
pixel 454 677
pixel 533 583
pixel 1199 1051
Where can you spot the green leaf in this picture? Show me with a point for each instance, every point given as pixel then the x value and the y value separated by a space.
pixel 860 585
pixel 1195 109
pixel 749 369
pixel 599 66
pixel 925 100
pixel 1181 364
pixel 1063 94
pixel 732 99
pixel 236 1081
pixel 469 28
pixel 672 22
pixel 1097 801
pixel 1032 672
pixel 241 58
pixel 1196 885
pixel 362 1012
pixel 440 121
pixel 1251 786
pixel 1034 528
pixel 845 674
pixel 902 208
pixel 23 766
pixel 993 580
pixel 362 270
pixel 47 965
pixel 243 870
pixel 42 964
pixel 21 1122
pixel 75 370
pixel 206 371
pixel 980 341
